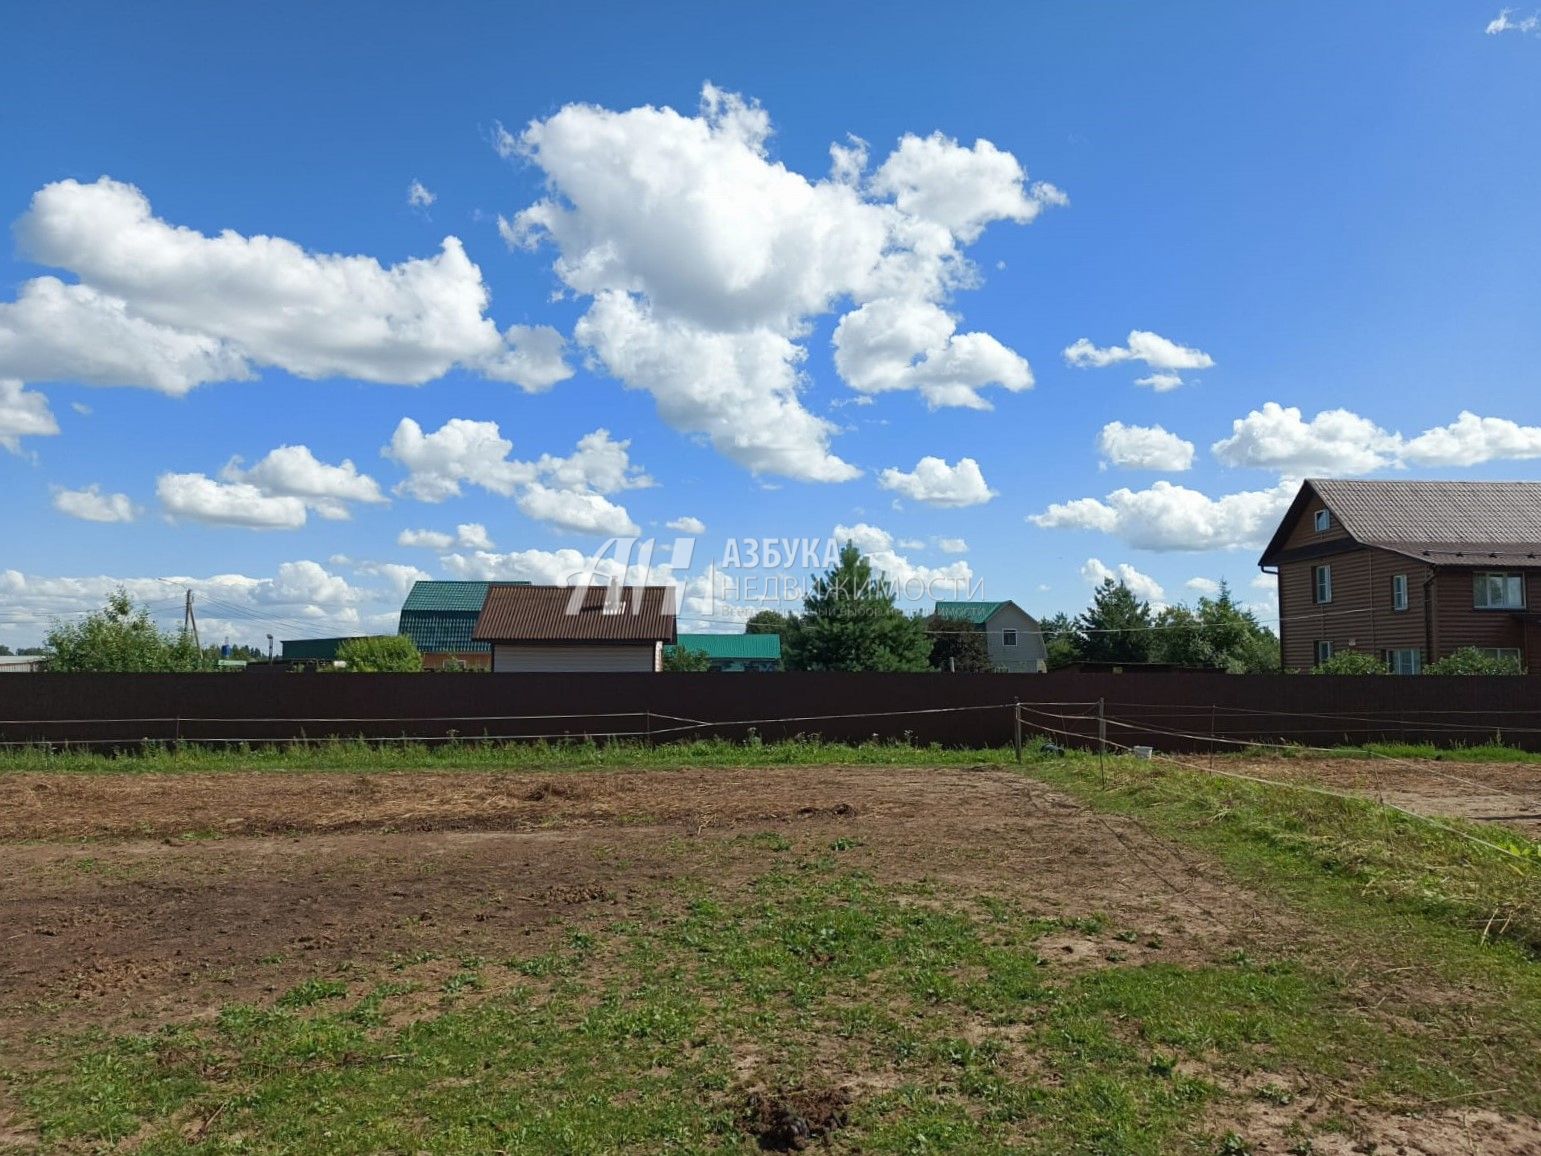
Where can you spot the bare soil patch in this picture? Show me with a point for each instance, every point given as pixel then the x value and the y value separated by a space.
pixel 138 900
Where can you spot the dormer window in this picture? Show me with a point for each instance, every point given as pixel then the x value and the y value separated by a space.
pixel 1323 521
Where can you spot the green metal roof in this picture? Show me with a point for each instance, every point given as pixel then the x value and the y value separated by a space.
pixel 319 649
pixel 976 612
pixel 442 631
pixel 434 595
pixel 727 646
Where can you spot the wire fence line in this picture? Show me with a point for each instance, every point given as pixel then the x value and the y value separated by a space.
pixel 1224 712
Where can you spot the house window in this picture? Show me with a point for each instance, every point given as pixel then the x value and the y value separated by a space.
pixel 1399 592
pixel 1404 661
pixel 1491 591
pixel 1323 651
pixel 1323 521
pixel 1321 584
pixel 1009 637
pixel 1499 652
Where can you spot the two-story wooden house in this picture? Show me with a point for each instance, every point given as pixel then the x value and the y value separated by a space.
pixel 1410 571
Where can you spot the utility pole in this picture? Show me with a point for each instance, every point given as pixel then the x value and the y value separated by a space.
pixel 190 623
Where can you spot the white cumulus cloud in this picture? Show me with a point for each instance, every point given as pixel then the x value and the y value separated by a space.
pixel 1163 355
pixel 952 545
pixel 91 505
pixel 565 492
pixel 199 498
pixel 936 483
pixel 1142 586
pixel 1136 447
pixel 1172 517
pixel 1340 442
pixel 467 536
pixel 706 263
pixel 687 525
pixel 166 307
pixel 912 582
pixel 426 539
pixel 1471 440
pixel 1334 442
pixel 23 413
pixel 294 471
pixel 302 599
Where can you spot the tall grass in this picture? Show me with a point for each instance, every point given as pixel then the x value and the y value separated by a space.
pixel 490 755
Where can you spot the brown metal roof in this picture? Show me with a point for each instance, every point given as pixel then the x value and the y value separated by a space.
pixel 1450 523
pixel 576 614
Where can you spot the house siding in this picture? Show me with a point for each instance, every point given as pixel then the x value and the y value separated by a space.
pixel 1304 533
pixel 510 657
pixel 1440 617
pixel 1461 624
pixel 1029 655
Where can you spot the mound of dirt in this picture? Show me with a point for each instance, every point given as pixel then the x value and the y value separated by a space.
pixel 788 1120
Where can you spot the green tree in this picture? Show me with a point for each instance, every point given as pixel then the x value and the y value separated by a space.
pixel 771 622
pixel 957 646
pixel 1470 660
pixel 1061 640
pixel 4 651
pixel 1219 633
pixel 119 638
pixel 381 654
pixel 686 660
pixel 1116 626
pixel 1351 662
pixel 850 622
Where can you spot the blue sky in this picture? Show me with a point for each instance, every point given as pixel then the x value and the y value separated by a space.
pixel 1317 208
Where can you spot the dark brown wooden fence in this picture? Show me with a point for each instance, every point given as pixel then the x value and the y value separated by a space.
pixel 1171 712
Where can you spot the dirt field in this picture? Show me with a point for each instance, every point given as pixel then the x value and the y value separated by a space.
pixel 133 901
pixel 1508 793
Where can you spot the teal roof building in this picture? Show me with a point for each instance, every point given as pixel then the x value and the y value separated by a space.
pixel 439 616
pixel 736 652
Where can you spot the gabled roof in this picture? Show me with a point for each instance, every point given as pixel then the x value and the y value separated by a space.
pixel 546 614
pixel 466 597
pixel 760 647
pixel 977 613
pixel 1440 522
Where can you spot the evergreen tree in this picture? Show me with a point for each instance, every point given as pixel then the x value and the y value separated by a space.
pixel 957 646
pixel 1116 626
pixel 850 622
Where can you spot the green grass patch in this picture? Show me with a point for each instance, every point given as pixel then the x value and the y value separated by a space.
pixel 935 1010
pixel 491 755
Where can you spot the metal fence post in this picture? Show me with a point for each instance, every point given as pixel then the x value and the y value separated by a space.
pixel 1016 729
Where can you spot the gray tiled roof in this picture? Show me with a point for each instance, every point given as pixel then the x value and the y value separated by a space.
pixel 1448 522
pixel 1449 513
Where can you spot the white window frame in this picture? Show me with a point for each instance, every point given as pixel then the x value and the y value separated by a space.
pixel 1407 660
pixel 1008 638
pixel 1513 652
pixel 1323 521
pixel 1323 650
pixel 1399 592
pixel 1482 589
pixel 1321 585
